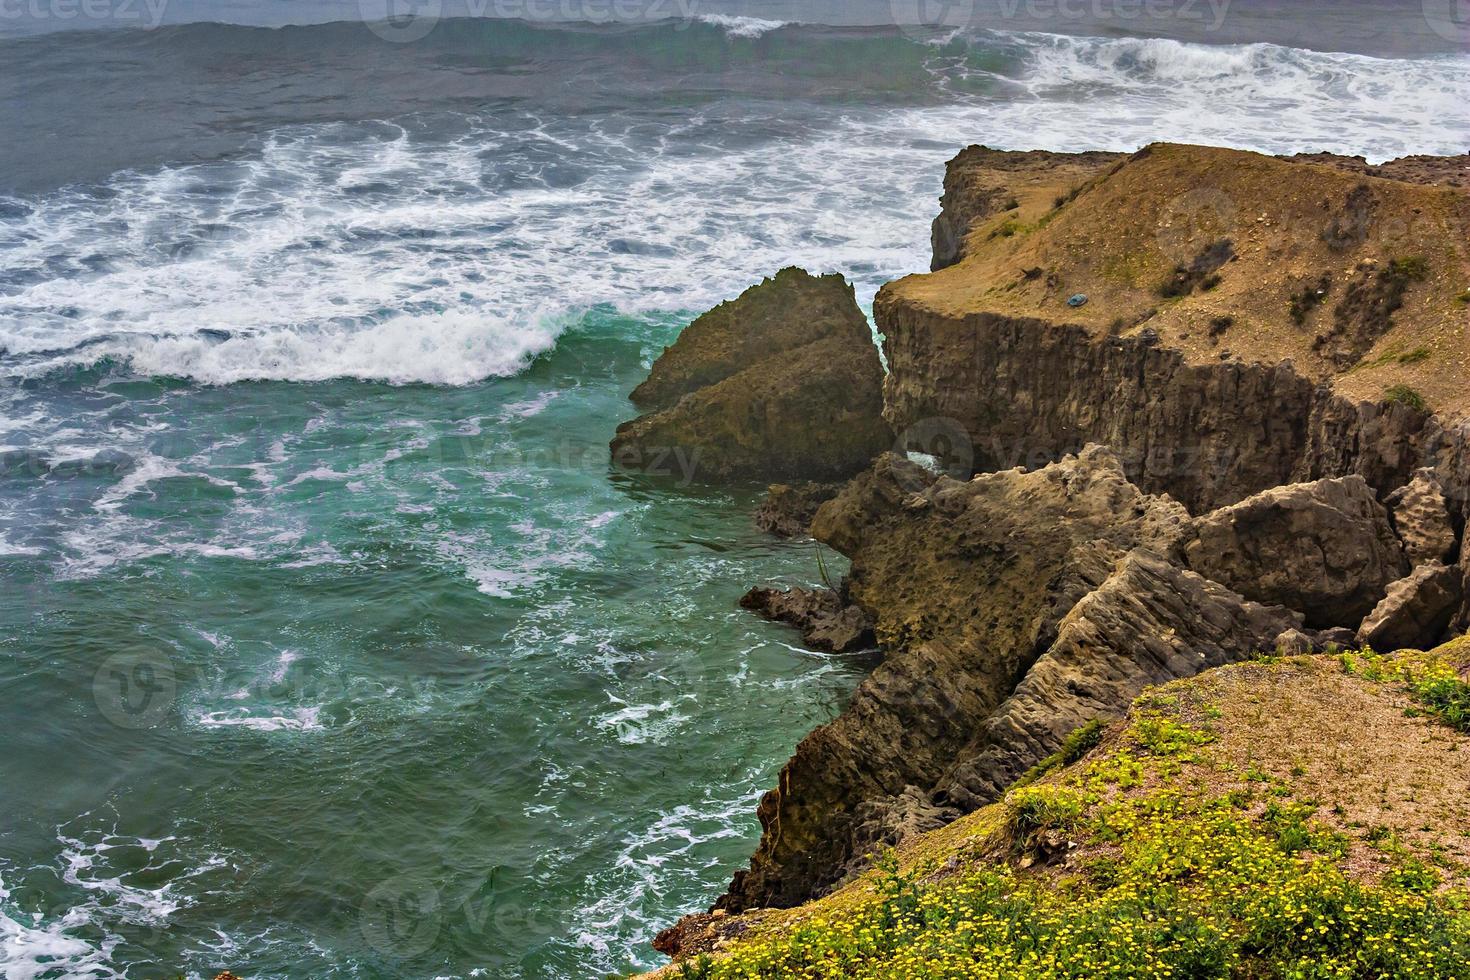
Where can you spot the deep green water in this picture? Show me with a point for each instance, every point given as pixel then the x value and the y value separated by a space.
pixel 371 681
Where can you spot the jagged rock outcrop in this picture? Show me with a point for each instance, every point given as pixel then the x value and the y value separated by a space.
pixel 1417 610
pixel 981 183
pixel 1149 623
pixel 827 622
pixel 787 511
pixel 1324 548
pixel 967 583
pixel 1222 392
pixel 1421 517
pixel 782 383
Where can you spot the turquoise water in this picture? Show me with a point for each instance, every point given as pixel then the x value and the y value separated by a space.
pixel 372 681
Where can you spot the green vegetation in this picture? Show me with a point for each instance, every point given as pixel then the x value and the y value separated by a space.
pixel 1414 268
pixel 1138 863
pixel 1074 747
pixel 1433 684
pixel 1404 395
pixel 1308 299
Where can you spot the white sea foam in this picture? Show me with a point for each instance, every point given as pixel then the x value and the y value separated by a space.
pixel 737 26
pixel 335 254
pixel 34 946
pixel 306 719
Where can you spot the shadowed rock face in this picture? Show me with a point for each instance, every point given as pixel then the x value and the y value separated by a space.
pixel 1213 395
pixel 1324 548
pixel 967 583
pixel 782 383
pixel 1416 610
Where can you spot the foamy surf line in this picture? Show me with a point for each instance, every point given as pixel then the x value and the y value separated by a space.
pixel 385 258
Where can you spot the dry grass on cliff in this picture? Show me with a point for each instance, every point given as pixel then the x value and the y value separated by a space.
pixel 1303 238
pixel 1246 807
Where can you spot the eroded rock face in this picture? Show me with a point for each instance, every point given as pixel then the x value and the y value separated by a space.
pixel 1421 516
pixel 1210 396
pixel 782 383
pixel 967 583
pixel 787 511
pixel 1417 610
pixel 1149 623
pixel 1323 548
pixel 826 620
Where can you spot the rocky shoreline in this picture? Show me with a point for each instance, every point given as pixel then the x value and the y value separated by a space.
pixel 1178 408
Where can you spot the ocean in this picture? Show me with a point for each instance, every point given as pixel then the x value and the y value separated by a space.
pixel 330 645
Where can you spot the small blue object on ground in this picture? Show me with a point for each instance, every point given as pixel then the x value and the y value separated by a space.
pixel 1079 299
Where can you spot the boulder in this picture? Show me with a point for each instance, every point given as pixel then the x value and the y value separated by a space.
pixel 1151 622
pixel 1325 549
pixel 782 383
pixel 1417 610
pixel 826 622
pixel 1421 516
pixel 787 511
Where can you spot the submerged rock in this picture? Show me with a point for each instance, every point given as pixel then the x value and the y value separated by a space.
pixel 24 462
pixel 1416 611
pixel 782 383
pixel 1324 548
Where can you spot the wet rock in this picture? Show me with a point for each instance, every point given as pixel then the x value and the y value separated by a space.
pixel 782 383
pixel 1417 610
pixel 104 462
pixel 826 622
pixel 1325 549
pixel 24 462
pixel 1421 516
pixel 787 511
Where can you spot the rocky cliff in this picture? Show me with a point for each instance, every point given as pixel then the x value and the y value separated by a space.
pixel 1195 405
pixel 1271 357
pixel 1227 322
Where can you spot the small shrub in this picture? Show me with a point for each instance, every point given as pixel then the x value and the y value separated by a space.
pixel 1076 745
pixel 1308 299
pixel 1405 395
pixel 1034 810
pixel 1414 268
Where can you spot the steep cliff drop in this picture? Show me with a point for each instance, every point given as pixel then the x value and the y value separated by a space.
pixel 1276 346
